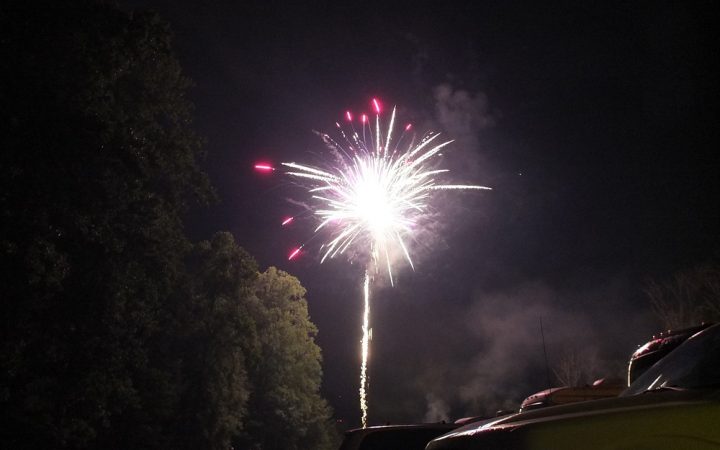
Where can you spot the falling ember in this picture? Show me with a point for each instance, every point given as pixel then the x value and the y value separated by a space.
pixel 348 116
pixel 371 198
pixel 287 221
pixel 294 253
pixel 264 167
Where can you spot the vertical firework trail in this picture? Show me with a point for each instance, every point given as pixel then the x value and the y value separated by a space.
pixel 370 199
pixel 364 385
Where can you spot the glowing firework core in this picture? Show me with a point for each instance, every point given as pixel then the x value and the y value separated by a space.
pixel 373 206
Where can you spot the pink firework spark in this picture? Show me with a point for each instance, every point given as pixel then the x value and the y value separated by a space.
pixel 294 253
pixel 264 167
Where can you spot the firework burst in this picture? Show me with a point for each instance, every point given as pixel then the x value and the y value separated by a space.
pixel 371 198
pixel 377 191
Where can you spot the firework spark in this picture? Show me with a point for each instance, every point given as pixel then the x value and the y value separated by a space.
pixel 372 198
pixel 294 252
pixel 262 167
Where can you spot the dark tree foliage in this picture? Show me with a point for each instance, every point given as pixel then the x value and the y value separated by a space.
pixel 216 336
pixel 286 411
pixel 117 332
pixel 250 367
pixel 98 166
pixel 689 298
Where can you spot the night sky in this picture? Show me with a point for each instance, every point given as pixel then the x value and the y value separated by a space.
pixel 595 125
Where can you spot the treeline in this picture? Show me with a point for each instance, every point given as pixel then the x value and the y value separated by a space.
pixel 117 330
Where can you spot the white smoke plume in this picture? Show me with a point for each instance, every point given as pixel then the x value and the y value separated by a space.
pixel 437 409
pixel 500 360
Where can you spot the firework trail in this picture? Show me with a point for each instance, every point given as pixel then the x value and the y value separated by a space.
pixel 370 198
pixel 365 350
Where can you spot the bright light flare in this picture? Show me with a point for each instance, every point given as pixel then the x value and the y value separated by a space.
pixel 376 106
pixel 287 221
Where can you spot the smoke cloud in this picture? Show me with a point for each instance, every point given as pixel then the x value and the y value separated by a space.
pixel 438 410
pixel 501 359
pixel 463 115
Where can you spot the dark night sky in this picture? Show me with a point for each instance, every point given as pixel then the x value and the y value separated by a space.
pixel 596 125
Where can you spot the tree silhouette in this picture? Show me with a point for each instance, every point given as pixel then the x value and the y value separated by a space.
pixel 98 167
pixel 689 298
pixel 286 410
pixel 118 332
